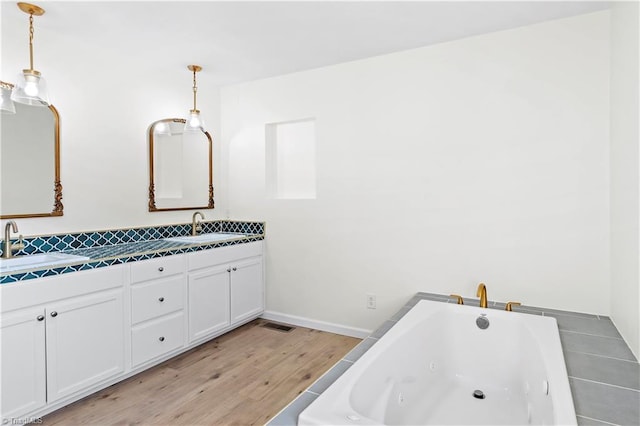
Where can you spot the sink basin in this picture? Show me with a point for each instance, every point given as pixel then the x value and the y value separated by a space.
pixel 204 238
pixel 39 261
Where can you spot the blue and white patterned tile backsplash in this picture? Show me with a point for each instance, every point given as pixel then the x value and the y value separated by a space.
pixel 80 240
pixel 111 247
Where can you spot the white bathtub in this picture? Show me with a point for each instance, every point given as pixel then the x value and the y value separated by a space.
pixel 426 368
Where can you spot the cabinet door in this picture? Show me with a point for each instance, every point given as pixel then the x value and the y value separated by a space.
pixel 208 301
pixel 85 342
pixel 247 296
pixel 22 338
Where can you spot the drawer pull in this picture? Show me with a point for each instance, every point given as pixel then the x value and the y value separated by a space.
pixel 54 314
pixel 161 338
pixel 40 317
pixel 161 269
pixel 161 299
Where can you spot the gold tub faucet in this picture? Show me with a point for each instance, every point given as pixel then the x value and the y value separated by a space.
pixel 482 294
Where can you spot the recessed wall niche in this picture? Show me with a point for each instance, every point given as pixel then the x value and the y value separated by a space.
pixel 291 159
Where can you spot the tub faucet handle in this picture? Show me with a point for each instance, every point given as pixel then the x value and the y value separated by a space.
pixel 459 299
pixel 510 305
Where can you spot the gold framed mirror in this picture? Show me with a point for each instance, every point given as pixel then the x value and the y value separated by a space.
pixel 180 167
pixel 30 163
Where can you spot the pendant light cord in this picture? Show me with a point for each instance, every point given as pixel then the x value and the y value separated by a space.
pixel 195 89
pixel 31 31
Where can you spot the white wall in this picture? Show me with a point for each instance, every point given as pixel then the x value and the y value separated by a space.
pixel 106 104
pixel 625 256
pixel 484 159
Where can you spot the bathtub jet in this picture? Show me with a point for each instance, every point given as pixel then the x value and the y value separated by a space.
pixel 437 366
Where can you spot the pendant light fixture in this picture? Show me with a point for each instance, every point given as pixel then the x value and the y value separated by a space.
pixel 6 104
pixel 31 88
pixel 194 121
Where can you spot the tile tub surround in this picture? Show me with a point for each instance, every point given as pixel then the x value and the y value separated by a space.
pixel 603 373
pixel 115 246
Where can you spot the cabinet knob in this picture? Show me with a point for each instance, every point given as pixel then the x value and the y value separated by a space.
pixel 234 268
pixel 40 317
pixel 161 269
pixel 161 338
pixel 54 314
pixel 161 299
pixel 228 269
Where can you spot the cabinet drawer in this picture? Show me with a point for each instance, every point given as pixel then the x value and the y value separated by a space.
pixel 156 268
pixel 156 338
pixel 156 298
pixel 217 256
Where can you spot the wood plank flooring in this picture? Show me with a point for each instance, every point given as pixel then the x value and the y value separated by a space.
pixel 244 377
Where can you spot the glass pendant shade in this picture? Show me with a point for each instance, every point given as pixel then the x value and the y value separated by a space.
pixel 30 89
pixel 194 122
pixel 6 104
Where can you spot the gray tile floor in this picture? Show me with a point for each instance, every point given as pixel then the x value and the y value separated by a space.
pixel 603 373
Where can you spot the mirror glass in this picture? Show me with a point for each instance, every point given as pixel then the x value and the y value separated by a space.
pixel 30 163
pixel 180 167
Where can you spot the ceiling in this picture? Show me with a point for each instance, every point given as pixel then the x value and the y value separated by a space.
pixel 242 41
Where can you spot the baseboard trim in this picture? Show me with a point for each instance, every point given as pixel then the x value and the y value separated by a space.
pixel 344 330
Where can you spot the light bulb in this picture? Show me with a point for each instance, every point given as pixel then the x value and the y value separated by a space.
pixel 30 89
pixel 31 84
pixel 194 122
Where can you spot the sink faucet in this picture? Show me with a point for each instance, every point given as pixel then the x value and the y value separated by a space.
pixel 7 247
pixel 482 294
pixel 195 225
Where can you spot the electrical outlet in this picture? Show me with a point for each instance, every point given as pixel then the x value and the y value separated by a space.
pixel 371 301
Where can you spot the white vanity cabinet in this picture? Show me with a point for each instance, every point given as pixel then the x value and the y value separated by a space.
pixel 225 288
pixel 67 336
pixel 60 335
pixel 158 288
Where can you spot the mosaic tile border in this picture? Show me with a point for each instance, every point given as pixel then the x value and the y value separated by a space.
pixel 128 245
